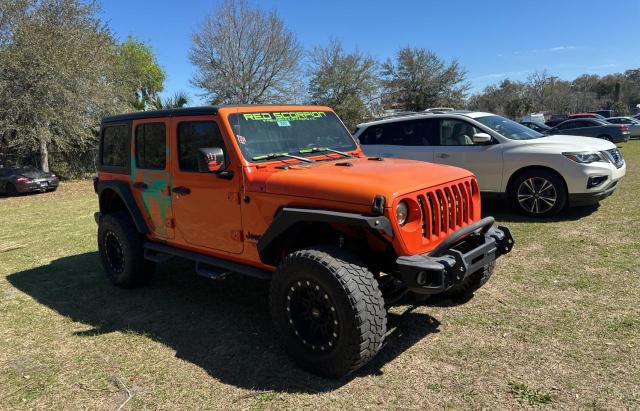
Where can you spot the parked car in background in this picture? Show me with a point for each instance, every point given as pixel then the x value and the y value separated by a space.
pixel 537 126
pixel 20 180
pixel 539 174
pixel 593 127
pixel 587 115
pixel 604 113
pixel 637 116
pixel 556 119
pixel 634 124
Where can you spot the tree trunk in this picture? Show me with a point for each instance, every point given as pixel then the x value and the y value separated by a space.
pixel 44 156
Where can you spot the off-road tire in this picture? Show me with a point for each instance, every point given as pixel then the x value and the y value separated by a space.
pixel 472 283
pixel 560 189
pixel 359 309
pixel 125 266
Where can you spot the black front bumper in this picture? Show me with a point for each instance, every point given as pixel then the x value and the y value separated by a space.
pixel 584 199
pixel 458 256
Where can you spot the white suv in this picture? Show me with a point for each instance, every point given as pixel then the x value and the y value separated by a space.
pixel 539 174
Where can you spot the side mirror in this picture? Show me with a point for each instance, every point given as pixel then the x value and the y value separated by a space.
pixel 210 160
pixel 481 138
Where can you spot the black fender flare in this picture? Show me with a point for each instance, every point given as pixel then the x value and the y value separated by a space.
pixel 123 189
pixel 287 217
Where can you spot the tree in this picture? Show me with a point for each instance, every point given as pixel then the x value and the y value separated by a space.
pixel 510 98
pixel 348 82
pixel 140 75
pixel 244 55
pixel 56 78
pixel 419 79
pixel 179 99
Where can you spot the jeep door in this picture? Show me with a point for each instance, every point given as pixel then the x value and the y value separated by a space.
pixel 456 148
pixel 206 205
pixel 151 181
pixel 406 139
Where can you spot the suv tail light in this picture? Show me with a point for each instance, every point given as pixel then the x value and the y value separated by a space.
pixel 624 127
pixel 23 180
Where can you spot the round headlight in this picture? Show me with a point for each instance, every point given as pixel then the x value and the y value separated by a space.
pixel 402 212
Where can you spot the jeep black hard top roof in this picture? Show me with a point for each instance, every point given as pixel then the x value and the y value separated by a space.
pixel 176 112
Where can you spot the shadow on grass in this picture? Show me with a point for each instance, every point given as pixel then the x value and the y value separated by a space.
pixel 503 211
pixel 223 327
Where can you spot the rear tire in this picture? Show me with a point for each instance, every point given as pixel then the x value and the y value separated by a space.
pixel 472 283
pixel 121 251
pixel 328 310
pixel 11 190
pixel 538 193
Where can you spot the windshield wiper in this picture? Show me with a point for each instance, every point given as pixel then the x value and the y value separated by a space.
pixel 273 156
pixel 323 149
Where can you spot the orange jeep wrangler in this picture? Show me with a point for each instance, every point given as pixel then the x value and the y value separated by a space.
pixel 284 193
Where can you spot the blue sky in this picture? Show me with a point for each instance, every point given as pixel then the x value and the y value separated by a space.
pixel 491 39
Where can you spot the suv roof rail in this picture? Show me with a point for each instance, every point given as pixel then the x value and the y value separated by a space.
pixel 396 114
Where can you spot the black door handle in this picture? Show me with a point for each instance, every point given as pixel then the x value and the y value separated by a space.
pixel 181 190
pixel 141 185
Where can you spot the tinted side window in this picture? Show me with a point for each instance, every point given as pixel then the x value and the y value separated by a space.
pixel 115 145
pixel 194 135
pixel 405 133
pixel 430 132
pixel 568 125
pixel 151 146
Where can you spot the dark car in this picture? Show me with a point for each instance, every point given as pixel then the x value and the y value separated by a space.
pixel 537 126
pixel 593 127
pixel 556 119
pixel 604 113
pixel 20 180
pixel 587 115
pixel 633 123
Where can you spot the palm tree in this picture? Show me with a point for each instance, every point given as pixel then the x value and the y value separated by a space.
pixel 179 99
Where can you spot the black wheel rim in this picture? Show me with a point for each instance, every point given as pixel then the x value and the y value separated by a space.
pixel 537 195
pixel 113 251
pixel 312 316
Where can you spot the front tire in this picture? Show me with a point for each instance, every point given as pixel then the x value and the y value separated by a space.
pixel 328 309
pixel 121 251
pixel 538 193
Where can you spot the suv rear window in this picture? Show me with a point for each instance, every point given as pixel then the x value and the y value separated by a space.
pixel 115 145
pixel 403 133
pixel 151 146
pixel 194 135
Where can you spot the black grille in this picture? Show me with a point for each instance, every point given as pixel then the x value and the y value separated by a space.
pixel 615 156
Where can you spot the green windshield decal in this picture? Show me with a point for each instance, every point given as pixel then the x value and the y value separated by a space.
pixel 284 118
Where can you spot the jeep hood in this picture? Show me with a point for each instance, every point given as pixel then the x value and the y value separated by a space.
pixel 360 181
pixel 563 142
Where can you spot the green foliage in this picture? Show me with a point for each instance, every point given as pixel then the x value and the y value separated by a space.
pixel 544 92
pixel 347 82
pixel 525 394
pixel 620 108
pixel 419 79
pixel 54 93
pixel 179 99
pixel 140 75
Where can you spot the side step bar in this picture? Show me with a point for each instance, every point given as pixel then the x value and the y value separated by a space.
pixel 207 266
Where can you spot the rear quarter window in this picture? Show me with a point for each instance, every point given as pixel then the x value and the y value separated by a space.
pixel 115 146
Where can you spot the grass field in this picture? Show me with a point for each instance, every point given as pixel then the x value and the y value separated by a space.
pixel 557 326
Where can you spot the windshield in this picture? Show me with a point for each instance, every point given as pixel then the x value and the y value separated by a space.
pixel 508 128
pixel 262 136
